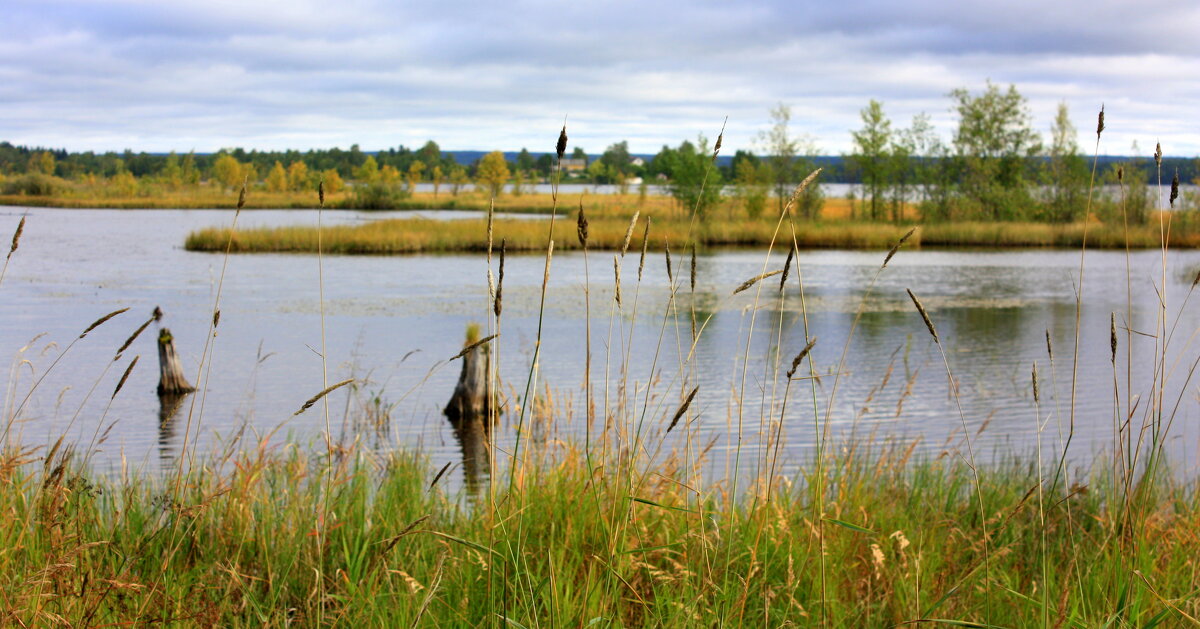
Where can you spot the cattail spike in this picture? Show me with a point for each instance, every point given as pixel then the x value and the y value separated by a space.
pixel 561 146
pixel 581 226
pixel 924 317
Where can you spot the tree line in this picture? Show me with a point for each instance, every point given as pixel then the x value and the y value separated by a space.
pixel 994 166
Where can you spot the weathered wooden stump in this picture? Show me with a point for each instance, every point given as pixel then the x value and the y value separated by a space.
pixel 171 379
pixel 471 397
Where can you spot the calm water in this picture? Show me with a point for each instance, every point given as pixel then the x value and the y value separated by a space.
pixel 392 321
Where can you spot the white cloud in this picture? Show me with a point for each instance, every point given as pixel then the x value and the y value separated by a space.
pixel 300 74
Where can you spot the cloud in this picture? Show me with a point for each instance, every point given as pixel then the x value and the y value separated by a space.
pixel 300 74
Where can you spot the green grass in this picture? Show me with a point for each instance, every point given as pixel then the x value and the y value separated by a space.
pixel 902 540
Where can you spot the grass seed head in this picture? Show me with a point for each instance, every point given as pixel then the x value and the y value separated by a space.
pixel 1100 123
pixel 645 244
pixel 242 197
pixel 683 408
pixel 1112 335
pixel 321 192
pixel 629 232
pixel 124 377
pixel 800 357
pixel 499 303
pixel 99 322
pixel 561 146
pixel 693 277
pixel 1036 392
pixel 617 274
pixel 16 239
pixel 670 275
pixel 1174 188
pixel 138 332
pixel 1050 345
pixel 924 316
pixel 787 265
pixel 896 247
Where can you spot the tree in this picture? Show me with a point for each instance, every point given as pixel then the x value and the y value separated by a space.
pixel 616 157
pixel 430 153
pixel 171 174
pixel 695 182
pixel 872 156
pixel 389 175
pixel 436 177
pixel 994 140
pixel 41 162
pixel 458 179
pixel 414 174
pixel 368 172
pixel 277 180
pixel 525 160
pixel 781 149
pixel 228 170
pixel 332 181
pixel 297 176
pixel 752 182
pixel 1066 171
pixel 188 171
pixel 492 172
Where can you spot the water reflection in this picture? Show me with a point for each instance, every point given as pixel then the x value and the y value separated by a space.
pixel 168 409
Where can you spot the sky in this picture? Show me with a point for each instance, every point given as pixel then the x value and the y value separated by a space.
pixel 189 75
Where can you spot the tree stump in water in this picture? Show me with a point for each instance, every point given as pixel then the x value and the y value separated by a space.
pixel 171 380
pixel 470 398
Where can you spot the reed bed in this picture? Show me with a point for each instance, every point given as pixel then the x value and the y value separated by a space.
pixel 418 235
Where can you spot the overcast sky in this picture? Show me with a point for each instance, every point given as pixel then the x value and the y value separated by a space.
pixel 181 74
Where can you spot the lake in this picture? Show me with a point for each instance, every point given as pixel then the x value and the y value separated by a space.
pixel 391 322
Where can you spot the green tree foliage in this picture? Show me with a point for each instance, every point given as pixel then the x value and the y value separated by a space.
pixel 872 158
pixel 332 181
pixel 994 141
pixel 228 170
pixel 415 169
pixel 458 178
pixel 189 172
pixel 752 181
pixel 1066 172
pixel 492 172
pixel 297 176
pixel 368 171
pixel 171 174
pixel 41 163
pixel 277 180
pixel 436 176
pixel 695 182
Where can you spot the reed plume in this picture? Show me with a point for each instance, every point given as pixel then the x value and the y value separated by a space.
pixel 498 305
pixel 581 226
pixel 629 232
pixel 754 280
pixel 124 377
pixel 99 322
pixel 326 391
pixel 561 146
pixel 645 244
pixel 1100 123
pixel 896 247
pixel 617 273
pixel 670 275
pixel 787 265
pixel 1174 188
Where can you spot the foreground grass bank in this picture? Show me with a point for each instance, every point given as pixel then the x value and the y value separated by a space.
pixel 281 539
pixel 608 232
